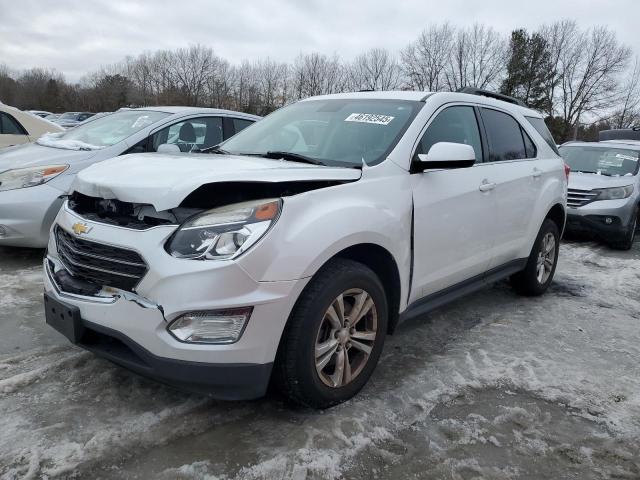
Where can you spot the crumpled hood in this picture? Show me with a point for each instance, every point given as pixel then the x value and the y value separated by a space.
pixel 32 154
pixel 165 180
pixel 589 181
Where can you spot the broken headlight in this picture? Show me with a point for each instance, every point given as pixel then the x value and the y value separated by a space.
pixel 224 232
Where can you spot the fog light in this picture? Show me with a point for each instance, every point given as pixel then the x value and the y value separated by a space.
pixel 215 326
pixel 608 220
pixel 3 231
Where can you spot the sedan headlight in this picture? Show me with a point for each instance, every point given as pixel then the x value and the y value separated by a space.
pixel 29 177
pixel 224 232
pixel 615 193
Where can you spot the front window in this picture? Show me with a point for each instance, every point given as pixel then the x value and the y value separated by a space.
pixel 601 159
pixel 332 132
pixel 105 131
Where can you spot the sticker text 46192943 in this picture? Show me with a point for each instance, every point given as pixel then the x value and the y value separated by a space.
pixel 369 118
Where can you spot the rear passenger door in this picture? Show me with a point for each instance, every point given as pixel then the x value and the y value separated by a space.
pixel 511 166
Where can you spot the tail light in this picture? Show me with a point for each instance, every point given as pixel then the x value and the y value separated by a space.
pixel 567 171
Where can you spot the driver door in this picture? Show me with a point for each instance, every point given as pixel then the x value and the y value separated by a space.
pixel 453 209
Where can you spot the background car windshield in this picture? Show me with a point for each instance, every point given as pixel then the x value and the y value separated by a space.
pixel 68 116
pixel 335 132
pixel 111 129
pixel 601 159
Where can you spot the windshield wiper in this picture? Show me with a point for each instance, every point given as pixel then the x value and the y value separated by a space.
pixel 293 157
pixel 215 149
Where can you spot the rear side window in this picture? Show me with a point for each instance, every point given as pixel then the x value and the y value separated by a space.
pixel 541 128
pixel 9 126
pixel 456 125
pixel 506 138
pixel 240 124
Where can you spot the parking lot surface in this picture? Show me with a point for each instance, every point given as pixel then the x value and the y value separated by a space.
pixel 493 386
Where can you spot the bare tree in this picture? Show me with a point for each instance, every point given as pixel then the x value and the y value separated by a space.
pixel 318 74
pixel 628 113
pixel 424 61
pixel 375 69
pixel 588 71
pixel 477 59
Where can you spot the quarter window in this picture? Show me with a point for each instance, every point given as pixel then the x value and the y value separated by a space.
pixel 9 126
pixel 190 135
pixel 507 140
pixel 456 125
pixel 240 124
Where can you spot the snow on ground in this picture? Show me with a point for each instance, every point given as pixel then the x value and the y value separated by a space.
pixel 494 386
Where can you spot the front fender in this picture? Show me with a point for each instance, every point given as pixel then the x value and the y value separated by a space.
pixel 316 225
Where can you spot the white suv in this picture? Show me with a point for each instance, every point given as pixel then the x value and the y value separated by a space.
pixel 291 251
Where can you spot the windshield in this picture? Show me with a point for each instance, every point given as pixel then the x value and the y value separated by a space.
pixel 602 160
pixel 104 131
pixel 332 132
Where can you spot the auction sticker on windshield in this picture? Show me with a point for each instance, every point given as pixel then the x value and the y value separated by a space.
pixel 369 118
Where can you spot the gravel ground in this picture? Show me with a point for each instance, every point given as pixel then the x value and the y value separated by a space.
pixel 493 386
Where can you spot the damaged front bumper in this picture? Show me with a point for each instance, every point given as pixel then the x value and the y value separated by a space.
pixel 130 328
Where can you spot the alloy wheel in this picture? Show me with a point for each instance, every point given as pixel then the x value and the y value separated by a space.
pixel 346 337
pixel 546 258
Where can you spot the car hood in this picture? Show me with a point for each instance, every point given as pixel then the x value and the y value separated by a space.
pixel 164 181
pixel 589 181
pixel 32 154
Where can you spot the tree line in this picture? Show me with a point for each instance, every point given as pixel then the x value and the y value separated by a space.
pixel 581 79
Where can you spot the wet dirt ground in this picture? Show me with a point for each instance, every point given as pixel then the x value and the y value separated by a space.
pixel 492 386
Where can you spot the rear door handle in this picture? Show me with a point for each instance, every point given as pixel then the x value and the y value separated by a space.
pixel 486 186
pixel 536 173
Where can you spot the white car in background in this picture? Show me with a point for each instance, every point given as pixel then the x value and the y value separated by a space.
pixel 18 127
pixel 35 178
pixel 40 113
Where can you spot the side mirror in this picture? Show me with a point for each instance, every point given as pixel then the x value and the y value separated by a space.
pixel 447 155
pixel 168 148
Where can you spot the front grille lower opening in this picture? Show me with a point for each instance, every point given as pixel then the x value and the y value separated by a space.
pixel 110 346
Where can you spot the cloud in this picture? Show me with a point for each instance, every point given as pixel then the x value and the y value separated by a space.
pixel 76 36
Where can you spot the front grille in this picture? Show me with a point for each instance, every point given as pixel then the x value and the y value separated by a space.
pixel 103 264
pixel 577 198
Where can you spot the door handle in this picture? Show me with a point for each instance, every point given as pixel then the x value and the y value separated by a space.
pixel 486 186
pixel 536 173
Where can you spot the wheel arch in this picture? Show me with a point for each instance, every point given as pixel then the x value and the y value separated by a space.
pixel 382 262
pixel 557 214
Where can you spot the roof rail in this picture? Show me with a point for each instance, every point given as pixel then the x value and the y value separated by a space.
pixel 487 93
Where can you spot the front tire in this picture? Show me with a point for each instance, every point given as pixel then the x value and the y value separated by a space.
pixel 334 336
pixel 626 241
pixel 541 265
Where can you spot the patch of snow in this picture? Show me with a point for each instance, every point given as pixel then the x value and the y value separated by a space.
pixel 54 140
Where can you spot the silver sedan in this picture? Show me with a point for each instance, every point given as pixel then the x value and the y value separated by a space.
pixel 34 178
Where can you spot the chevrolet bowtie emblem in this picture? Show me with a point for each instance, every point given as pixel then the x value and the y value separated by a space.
pixel 80 228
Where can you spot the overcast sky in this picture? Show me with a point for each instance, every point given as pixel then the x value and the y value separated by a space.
pixel 77 36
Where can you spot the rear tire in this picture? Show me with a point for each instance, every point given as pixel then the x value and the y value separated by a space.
pixel 334 336
pixel 541 265
pixel 626 241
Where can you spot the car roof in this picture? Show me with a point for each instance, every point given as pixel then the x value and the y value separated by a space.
pixel 188 110
pixel 418 96
pixel 630 144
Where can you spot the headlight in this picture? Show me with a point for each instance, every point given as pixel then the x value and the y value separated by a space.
pixel 29 177
pixel 224 232
pixel 615 193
